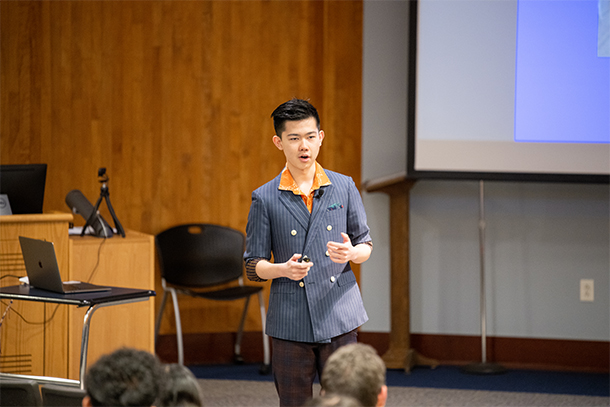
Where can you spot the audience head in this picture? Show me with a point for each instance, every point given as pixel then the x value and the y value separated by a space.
pixel 332 400
pixel 125 377
pixel 356 370
pixel 180 388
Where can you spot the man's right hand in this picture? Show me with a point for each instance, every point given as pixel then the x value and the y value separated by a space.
pixel 296 270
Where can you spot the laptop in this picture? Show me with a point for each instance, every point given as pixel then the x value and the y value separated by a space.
pixel 43 272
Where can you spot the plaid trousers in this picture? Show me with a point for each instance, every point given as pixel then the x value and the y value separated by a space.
pixel 295 365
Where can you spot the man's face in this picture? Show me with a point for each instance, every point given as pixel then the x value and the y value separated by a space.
pixel 300 143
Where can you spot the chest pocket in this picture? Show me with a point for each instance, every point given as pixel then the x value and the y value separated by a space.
pixel 335 214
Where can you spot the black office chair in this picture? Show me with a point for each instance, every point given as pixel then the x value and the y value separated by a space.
pixel 61 396
pixel 17 392
pixel 197 257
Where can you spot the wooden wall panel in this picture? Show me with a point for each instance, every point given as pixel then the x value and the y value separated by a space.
pixel 174 99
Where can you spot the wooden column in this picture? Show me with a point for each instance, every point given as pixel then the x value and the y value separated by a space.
pixel 400 354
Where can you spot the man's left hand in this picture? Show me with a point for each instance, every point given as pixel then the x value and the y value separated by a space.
pixel 341 252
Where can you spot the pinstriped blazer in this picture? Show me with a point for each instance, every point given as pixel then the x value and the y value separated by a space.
pixel 327 302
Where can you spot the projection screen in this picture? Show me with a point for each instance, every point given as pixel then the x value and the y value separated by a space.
pixel 510 89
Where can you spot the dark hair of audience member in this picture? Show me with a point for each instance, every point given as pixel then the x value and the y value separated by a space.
pixel 125 377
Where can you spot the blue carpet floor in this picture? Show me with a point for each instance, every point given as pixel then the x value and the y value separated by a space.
pixel 451 377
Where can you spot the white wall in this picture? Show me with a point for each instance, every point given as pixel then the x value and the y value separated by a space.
pixel 541 239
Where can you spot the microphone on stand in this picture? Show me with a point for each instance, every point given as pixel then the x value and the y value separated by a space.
pixel 78 203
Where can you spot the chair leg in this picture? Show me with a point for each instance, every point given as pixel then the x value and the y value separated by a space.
pixel 266 368
pixel 178 326
pixel 240 333
pixel 159 316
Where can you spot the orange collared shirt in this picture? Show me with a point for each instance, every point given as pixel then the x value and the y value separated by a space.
pixel 287 183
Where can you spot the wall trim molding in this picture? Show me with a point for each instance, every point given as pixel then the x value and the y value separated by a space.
pixel 513 353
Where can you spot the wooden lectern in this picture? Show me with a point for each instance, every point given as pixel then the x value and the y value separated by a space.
pixel 400 354
pixel 33 335
pixel 44 339
pixel 126 262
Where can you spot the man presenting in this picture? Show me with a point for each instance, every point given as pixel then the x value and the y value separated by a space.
pixel 313 223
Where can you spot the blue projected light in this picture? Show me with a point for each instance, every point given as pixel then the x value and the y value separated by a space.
pixel 562 86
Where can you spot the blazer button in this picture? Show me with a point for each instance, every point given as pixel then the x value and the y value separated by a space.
pixel 301 284
pixel 332 279
pixel 329 228
pixel 293 232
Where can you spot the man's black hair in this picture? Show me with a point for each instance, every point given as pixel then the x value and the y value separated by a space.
pixel 293 110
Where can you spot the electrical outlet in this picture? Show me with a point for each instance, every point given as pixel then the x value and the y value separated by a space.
pixel 586 290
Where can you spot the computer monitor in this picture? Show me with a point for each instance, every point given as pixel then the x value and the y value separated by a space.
pixel 24 186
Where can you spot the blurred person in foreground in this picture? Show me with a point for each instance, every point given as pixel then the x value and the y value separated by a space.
pixel 125 377
pixel 356 370
pixel 332 400
pixel 180 388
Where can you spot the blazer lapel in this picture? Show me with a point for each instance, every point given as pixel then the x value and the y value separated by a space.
pixel 296 206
